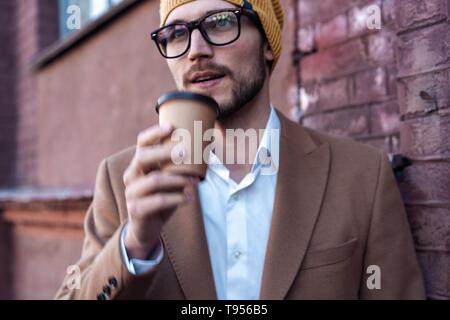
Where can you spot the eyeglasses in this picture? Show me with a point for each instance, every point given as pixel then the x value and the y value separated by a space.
pixel 218 28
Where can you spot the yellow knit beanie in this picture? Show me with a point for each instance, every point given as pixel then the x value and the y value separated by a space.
pixel 270 12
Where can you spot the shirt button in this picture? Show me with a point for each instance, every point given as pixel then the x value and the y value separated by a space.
pixel 237 254
pixel 236 197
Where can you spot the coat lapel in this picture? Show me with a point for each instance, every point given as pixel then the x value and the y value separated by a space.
pixel 186 245
pixel 301 182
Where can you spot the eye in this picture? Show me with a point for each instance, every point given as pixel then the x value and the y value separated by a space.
pixel 178 32
pixel 221 21
pixel 173 33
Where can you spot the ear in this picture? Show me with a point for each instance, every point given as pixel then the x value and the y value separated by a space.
pixel 268 54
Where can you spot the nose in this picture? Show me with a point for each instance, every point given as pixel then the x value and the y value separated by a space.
pixel 200 48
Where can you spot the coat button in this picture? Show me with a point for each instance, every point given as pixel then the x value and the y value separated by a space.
pixel 101 296
pixel 113 282
pixel 107 290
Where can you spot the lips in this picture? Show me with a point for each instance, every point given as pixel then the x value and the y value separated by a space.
pixel 205 76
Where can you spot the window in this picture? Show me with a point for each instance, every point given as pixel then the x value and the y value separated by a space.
pixel 75 14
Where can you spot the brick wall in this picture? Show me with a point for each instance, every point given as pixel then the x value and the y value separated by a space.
pixel 36 26
pixel 28 26
pixel 423 31
pixel 43 234
pixel 389 88
pixel 7 93
pixel 349 83
pixel 7 134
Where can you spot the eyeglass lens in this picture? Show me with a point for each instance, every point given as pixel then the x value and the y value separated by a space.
pixel 219 28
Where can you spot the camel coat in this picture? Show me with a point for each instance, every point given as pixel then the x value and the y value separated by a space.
pixel 337 212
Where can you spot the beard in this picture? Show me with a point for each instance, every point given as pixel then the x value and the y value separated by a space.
pixel 246 84
pixel 245 87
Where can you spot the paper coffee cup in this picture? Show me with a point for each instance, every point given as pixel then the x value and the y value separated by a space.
pixel 191 114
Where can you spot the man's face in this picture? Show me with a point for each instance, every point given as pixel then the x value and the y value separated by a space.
pixel 238 69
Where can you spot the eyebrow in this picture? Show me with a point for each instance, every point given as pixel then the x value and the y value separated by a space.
pixel 205 14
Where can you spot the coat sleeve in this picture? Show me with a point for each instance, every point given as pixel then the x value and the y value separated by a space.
pixel 390 249
pixel 100 268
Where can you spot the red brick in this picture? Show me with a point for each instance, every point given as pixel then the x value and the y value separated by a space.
pixel 384 118
pixel 307 38
pixel 388 10
pixel 333 94
pixel 33 19
pixel 412 47
pixel 436 84
pixel 415 13
pixel 425 181
pixel 358 17
pixel 428 136
pixel 348 122
pixel 395 143
pixel 383 144
pixel 325 96
pixel 317 11
pixel 335 62
pixel 381 47
pixel 424 50
pixel 369 86
pixel 435 266
pixel 289 12
pixel 391 71
pixel 292 94
pixel 331 32
pixel 309 97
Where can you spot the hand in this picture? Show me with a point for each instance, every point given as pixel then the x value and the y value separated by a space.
pixel 150 194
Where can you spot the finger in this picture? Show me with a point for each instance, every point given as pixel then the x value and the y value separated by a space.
pixel 151 158
pixel 132 173
pixel 154 182
pixel 154 135
pixel 194 181
pixel 145 160
pixel 157 203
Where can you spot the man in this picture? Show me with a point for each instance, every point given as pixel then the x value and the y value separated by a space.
pixel 328 224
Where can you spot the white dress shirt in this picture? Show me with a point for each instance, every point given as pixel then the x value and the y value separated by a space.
pixel 237 220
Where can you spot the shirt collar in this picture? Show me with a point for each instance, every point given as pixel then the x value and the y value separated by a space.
pixel 267 157
pixel 268 151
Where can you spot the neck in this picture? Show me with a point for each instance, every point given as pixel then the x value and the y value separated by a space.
pixel 254 115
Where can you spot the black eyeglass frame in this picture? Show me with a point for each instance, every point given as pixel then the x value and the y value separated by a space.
pixel 197 24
